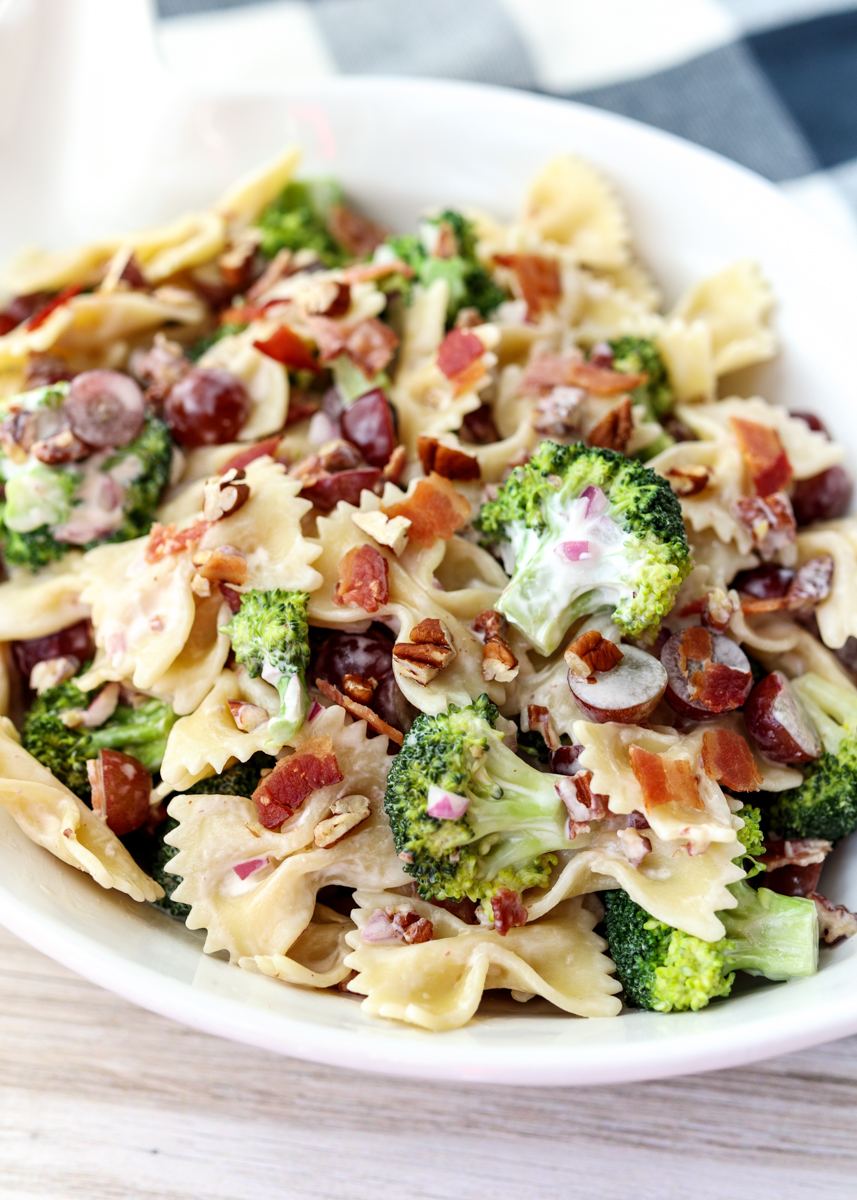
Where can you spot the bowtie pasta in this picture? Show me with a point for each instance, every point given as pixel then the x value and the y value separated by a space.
pixel 421 613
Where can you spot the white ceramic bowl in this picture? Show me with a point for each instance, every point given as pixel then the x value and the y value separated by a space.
pixel 400 146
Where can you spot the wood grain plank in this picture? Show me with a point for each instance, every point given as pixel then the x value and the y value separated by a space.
pixel 100 1100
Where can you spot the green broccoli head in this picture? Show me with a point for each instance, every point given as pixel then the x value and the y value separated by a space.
pixel 582 529
pixel 298 220
pixel 468 816
pixel 825 804
pixel 750 837
pixel 634 355
pixel 666 970
pixel 270 637
pixel 153 450
pixel 64 749
pixel 470 285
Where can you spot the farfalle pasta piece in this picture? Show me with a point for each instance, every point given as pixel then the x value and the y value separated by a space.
pixel 438 984
pixel 192 675
pixel 712 507
pixel 246 199
pixel 735 305
pixel 837 613
pixel 571 203
pixel 266 381
pixel 803 654
pixel 36 605
pixel 262 908
pixel 316 959
pixel 53 817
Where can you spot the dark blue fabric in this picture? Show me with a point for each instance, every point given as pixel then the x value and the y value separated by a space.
pixel 186 8
pixel 813 67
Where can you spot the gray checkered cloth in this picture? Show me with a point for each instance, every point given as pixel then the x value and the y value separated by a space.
pixel 769 83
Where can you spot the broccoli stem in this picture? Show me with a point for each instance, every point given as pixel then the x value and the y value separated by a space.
pixel 769 934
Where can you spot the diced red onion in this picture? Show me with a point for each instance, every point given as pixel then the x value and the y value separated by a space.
pixel 444 805
pixel 596 501
pixel 575 551
pixel 315 709
pixel 247 868
pixel 379 928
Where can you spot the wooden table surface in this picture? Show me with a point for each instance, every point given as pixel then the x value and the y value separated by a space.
pixel 100 1100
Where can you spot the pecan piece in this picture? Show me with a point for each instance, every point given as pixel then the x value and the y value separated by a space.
pixel 429 650
pixel 359 711
pixel 498 661
pixel 387 531
pixel 246 716
pixel 358 687
pixel 225 494
pixel 223 565
pixel 345 814
pixel 613 431
pixel 770 520
pixel 489 623
pixel 590 653
pixel 446 460
pixel 689 480
pixel 538 718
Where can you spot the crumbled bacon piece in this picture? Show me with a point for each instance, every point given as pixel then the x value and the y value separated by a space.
pixel 363 579
pixel 370 344
pixel 835 922
pixel 508 909
pixel 326 298
pixel 613 431
pixel 600 381
pixel 39 318
pixel 590 653
pixel 366 272
pixel 726 759
pixel 583 805
pixel 539 718
pixel 244 457
pixel 166 539
pixel 696 646
pixel 720 688
pixel 223 565
pixel 435 510
pixel 446 461
pixel 356 234
pixel 764 455
pixel 282 792
pixel 359 711
pixel 458 351
pixel 287 348
pixel 121 787
pixel 770 520
pixel 689 480
pixel 794 852
pixel 665 780
pixel 538 278
pixel 412 927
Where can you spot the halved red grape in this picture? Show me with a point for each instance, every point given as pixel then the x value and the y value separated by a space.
pixel 207 407
pixel 823 497
pixel 767 582
pixel 778 724
pixel 325 493
pixel 707 673
pixel 368 424
pixel 74 641
pixel 563 760
pixel 105 408
pixel 121 789
pixel 341 654
pixel 627 692
pixel 815 423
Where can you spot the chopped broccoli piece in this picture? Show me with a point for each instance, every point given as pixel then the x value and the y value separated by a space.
pixel 470 285
pixel 270 637
pixel 514 818
pixel 153 448
pixel 633 355
pixel 298 220
pixel 666 970
pixel 227 329
pixel 750 837
pixel 825 804
pixel 158 869
pixel 581 529
pixel 141 732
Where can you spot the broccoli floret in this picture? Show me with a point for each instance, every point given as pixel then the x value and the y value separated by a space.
pixel 153 448
pixel 825 804
pixel 141 732
pixel 227 329
pixel 470 285
pixel 159 872
pixel 270 637
pixel 750 837
pixel 581 529
pixel 664 969
pixel 634 355
pixel 298 220
pixel 513 821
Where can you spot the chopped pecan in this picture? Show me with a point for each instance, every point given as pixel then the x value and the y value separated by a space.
pixel 613 431
pixel 387 531
pixel 358 687
pixel 284 789
pixel 498 661
pixel 223 565
pixel 159 368
pixel 199 586
pixel 326 298
pixel 764 455
pixel 583 805
pixel 634 845
pixel 236 262
pixel 435 510
pixel 370 344
pixel 357 235
pixel 489 623
pixel 166 539
pixel 52 671
pixel 726 758
pixel 717 610
pixel 363 579
pixel 559 414
pixel 770 520
pixel 345 814
pixel 446 461
pixel 537 717
pixel 246 716
pixel 590 653
pixel 835 922
pixel 689 480
pixel 429 650
pixel 225 494
pixel 359 711
pixel 395 465
pixel 665 780
pixel 61 447
pixel 508 909
pixel 811 585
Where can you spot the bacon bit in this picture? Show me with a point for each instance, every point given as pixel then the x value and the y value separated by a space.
pixel 325 490
pixel 797 852
pixel 717 610
pixel 764 455
pixel 326 298
pixel 363 579
pixel 223 565
pixel 285 347
pixel 244 457
pixel 232 598
pixel 396 464
pixel 696 646
pixel 370 344
pixel 720 688
pixel 508 910
pixel 166 539
pixel 367 272
pixel 428 651
pixel 498 661
pixel 358 687
pixel 412 927
pixel 665 780
pixel 539 719
pixel 247 717
pixel 489 623
pixel 726 758
pixel 835 922
pixel 770 520
pixel 435 510
pixel 634 845
pixel 689 480
pixel 282 792
pixel 613 431
pixel 478 427
pixel 583 805
pixel 458 351
pixel 590 653
pixel 39 318
pixel 121 787
pixel 345 814
pixel 359 711
pixel 538 279
pixel 446 461
pixel 600 381
pixel 356 234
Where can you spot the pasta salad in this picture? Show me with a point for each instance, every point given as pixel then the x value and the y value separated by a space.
pixel 423 614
